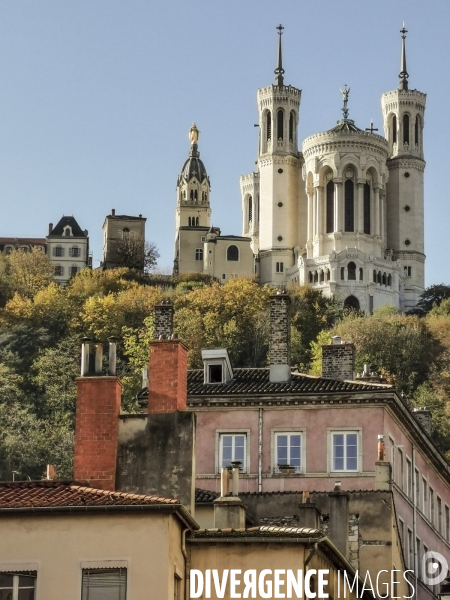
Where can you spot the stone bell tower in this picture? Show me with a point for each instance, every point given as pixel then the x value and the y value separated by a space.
pixel 403 117
pixel 279 175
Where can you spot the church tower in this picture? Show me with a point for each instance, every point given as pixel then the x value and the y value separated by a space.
pixel 279 176
pixel 403 118
pixel 193 212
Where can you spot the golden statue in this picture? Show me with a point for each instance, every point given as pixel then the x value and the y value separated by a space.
pixel 193 134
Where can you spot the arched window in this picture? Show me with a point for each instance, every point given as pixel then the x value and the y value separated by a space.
pixel 291 126
pixel 389 280
pixel 268 126
pixel 328 275
pixel 257 209
pixel 203 197
pixel 406 129
pixel 199 254
pixel 361 274
pixel 250 209
pixel 195 195
pixel 417 130
pixel 367 208
pixel 206 196
pixel 349 206
pixel 184 194
pixel 196 221
pixel 351 268
pixel 310 277
pixel 351 303
pixel 232 253
pixel 374 276
pixel 67 232
pixel 280 124
pixel 394 129
pixel 330 207
pixel 322 277
pixel 384 279
pixel 316 277
pixel 189 222
pixel 191 195
pixel 379 277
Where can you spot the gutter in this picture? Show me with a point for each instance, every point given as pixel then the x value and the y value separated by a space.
pixel 179 509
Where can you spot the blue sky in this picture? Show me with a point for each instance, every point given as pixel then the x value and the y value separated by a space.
pixel 97 97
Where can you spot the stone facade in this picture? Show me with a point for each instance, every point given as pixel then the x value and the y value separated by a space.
pixel 280 330
pixel 338 361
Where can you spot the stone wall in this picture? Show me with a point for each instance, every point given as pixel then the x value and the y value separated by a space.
pixel 338 361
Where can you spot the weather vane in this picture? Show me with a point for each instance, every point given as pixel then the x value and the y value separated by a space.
pixel 345 92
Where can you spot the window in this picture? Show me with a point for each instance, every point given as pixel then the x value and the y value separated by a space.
pixel 401 475
pixel 367 208
pixel 432 506
pixel 176 587
pixel 280 124
pixel 232 448
pixel 199 254
pixel 73 270
pixel 18 586
pixel 439 514
pixel 330 207
pixel 351 267
pixel 289 450
pixel 59 270
pixel 408 478
pixel 58 251
pixel 250 209
pixel 349 208
pixel 291 126
pixel 401 531
pixel 406 129
pixel 410 550
pixel 342 273
pixel 125 233
pixel 268 126
pixel 407 271
pixel 361 274
pixel 74 252
pixel 417 486
pixel 8 250
pixel 416 130
pixel 447 523
pixel 279 267
pixel 67 232
pixel 215 374
pixel 394 129
pixel 99 584
pixel 345 451
pixel 232 253
pixel 424 499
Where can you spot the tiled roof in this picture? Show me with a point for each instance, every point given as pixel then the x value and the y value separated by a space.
pixel 58 229
pixel 205 496
pixel 47 494
pixel 263 531
pixel 22 240
pixel 256 381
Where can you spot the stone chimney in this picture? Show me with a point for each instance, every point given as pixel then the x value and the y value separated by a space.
pixel 97 421
pixel 280 338
pixel 338 360
pixel 50 228
pixel 163 320
pixel 229 510
pixel 113 212
pixel 423 417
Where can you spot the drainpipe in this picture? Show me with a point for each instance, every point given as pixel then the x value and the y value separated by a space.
pixel 187 576
pixel 416 557
pixel 260 423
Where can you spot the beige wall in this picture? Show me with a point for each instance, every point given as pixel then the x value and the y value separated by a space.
pixel 149 543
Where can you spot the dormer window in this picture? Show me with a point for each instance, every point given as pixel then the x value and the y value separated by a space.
pixel 67 231
pixel 217 366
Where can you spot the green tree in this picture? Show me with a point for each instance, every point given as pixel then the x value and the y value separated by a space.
pixel 29 272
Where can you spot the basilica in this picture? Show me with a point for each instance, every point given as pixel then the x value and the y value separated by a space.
pixel 344 214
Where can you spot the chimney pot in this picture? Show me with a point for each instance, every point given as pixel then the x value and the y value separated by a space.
pixel 337 339
pixel 112 366
pixel 98 359
pixel 113 212
pixel 85 356
pixel 50 228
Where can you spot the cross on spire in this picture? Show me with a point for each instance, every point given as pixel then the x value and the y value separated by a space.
pixel 403 76
pixel 371 128
pixel 279 71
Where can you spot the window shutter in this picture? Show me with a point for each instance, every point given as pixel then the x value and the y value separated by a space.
pixel 104 584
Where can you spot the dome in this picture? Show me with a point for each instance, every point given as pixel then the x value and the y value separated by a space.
pixel 193 167
pixel 345 125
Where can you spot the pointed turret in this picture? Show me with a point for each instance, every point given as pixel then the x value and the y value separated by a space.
pixel 279 71
pixel 403 76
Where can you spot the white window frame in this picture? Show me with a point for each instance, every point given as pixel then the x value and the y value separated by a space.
pixel 86 566
pixel 294 431
pixel 345 431
pixel 16 571
pixel 199 252
pixel 218 452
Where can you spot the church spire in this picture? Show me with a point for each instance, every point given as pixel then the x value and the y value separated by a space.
pixel 403 76
pixel 279 71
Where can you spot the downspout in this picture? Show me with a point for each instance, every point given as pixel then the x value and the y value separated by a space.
pixel 416 558
pixel 187 576
pixel 260 423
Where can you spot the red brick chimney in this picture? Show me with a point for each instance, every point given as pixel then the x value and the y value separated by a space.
pixel 167 388
pixel 97 425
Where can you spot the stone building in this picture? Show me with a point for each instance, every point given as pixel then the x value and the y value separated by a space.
pixel 123 241
pixel 68 248
pixel 343 211
pixel 8 244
